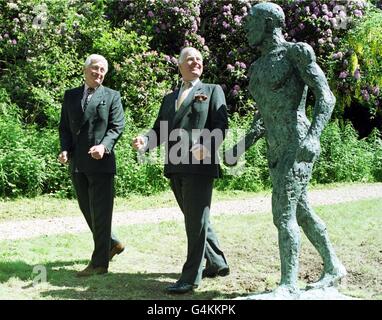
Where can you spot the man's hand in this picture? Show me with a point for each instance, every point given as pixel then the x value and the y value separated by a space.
pixel 63 157
pixel 138 143
pixel 97 152
pixel 309 150
pixel 200 152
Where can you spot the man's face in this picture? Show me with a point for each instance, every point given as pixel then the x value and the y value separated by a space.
pixel 255 29
pixel 95 73
pixel 192 66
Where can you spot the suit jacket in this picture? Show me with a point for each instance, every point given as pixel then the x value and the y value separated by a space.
pixel 203 112
pixel 102 123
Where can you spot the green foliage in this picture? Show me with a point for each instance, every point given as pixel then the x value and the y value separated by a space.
pixel 345 158
pixel 355 72
pixel 251 173
pixel 20 167
pixel 43 45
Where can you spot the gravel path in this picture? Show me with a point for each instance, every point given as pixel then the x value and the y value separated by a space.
pixel 259 204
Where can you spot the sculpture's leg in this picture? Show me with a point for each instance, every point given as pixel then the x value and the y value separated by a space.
pixel 316 231
pixel 284 203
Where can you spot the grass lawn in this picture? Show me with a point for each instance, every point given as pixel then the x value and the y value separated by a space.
pixel 156 252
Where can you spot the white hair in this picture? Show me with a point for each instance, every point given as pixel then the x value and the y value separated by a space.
pixel 96 57
pixel 183 53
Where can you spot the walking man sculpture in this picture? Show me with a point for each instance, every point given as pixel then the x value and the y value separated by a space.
pixel 279 82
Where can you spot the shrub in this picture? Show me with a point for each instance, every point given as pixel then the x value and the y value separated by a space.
pixel 344 158
pixel 357 65
pixel 21 169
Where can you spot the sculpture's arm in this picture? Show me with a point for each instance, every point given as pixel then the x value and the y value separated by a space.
pixel 305 62
pixel 255 132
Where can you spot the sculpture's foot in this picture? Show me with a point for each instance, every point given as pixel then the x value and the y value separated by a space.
pixel 283 292
pixel 329 279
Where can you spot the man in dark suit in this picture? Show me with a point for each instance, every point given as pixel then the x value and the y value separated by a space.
pixel 92 120
pixel 192 122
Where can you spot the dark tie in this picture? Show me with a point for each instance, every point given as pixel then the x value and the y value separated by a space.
pixel 89 92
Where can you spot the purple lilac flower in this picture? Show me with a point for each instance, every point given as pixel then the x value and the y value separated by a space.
pixel 243 65
pixel 237 20
pixel 6 35
pixel 338 55
pixel 226 8
pixel 358 13
pixel 225 25
pixel 343 75
pixel 194 27
pixel 14 41
pixel 150 14
pixel 174 60
pixel 365 95
pixel 167 58
pixel 230 67
pixel 333 21
pixel 201 40
pixel 357 74
pixel 375 91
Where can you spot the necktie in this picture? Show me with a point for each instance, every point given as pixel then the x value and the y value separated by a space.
pixel 89 93
pixel 186 89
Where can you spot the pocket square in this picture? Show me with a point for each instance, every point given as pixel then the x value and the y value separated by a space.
pixel 200 97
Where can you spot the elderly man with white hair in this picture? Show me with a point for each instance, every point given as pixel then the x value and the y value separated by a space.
pixel 92 121
pixel 192 122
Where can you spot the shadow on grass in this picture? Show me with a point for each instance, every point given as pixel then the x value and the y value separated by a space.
pixel 63 283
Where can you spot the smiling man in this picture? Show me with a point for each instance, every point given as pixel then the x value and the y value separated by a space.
pixel 196 120
pixel 92 120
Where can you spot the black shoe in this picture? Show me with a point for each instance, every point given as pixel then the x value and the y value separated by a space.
pixel 116 249
pixel 212 273
pixel 181 287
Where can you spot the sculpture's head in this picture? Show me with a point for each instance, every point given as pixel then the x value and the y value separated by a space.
pixel 264 18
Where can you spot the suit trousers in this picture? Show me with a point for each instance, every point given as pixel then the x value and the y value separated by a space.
pixel 95 195
pixel 193 194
